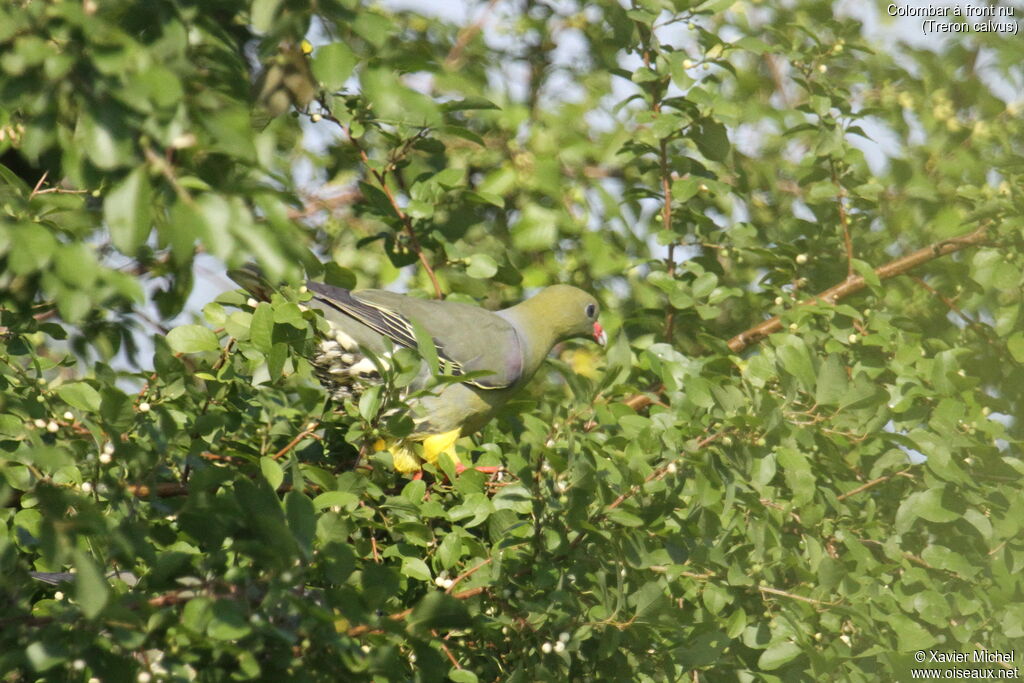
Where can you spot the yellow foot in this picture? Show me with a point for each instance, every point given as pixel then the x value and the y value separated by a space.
pixel 436 444
pixel 406 460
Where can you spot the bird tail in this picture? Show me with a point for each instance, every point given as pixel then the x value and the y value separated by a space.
pixel 250 278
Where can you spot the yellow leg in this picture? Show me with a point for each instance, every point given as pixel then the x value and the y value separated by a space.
pixel 406 460
pixel 436 444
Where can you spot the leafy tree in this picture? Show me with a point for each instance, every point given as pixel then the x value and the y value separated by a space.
pixel 799 457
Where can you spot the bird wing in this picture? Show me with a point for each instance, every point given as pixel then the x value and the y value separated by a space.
pixel 467 339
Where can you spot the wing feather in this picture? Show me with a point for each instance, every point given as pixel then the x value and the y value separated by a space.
pixel 380 319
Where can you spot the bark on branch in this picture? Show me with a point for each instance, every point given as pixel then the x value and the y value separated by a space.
pixel 855 283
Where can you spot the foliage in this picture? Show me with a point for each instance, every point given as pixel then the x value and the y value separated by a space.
pixel 811 499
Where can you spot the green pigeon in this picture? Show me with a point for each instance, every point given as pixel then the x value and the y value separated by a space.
pixel 498 351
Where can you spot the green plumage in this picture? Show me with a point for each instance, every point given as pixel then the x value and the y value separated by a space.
pixel 499 350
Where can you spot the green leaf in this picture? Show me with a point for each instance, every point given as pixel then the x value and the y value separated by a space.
pixel 941 557
pixel 865 270
pixel 625 518
pixel 778 654
pixel 333 64
pixel 426 347
pixel 1015 345
pixel 91 590
pixel 261 329
pixel 43 656
pixel 449 550
pixel 415 568
pixel 32 248
pixel 103 137
pixel 1012 621
pixel 481 267
pixel 336 276
pixel 228 621
pixel 197 614
pixel 80 395
pixel 263 14
pixel 684 189
pixel 369 402
pixel 394 102
pixel 301 518
pixel 796 359
pixel 439 611
pixel 833 382
pixel 289 313
pixel 472 102
pixel 11 426
pixel 986 265
pixel 712 140
pixel 341 499
pixel 704 284
pixel 272 472
pixel 929 505
pixel 910 635
pixel 192 339
pixel 127 210
pixel 715 598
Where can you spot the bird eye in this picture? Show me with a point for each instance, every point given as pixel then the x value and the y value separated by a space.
pixel 591 310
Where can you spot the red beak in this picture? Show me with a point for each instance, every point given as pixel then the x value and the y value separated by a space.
pixel 599 336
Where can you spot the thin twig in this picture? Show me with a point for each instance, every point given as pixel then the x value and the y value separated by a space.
pixel 381 179
pixel 467 34
pixel 398 616
pixel 308 431
pixel 164 489
pixel 852 285
pixel 666 192
pixel 776 73
pixel 844 221
pixel 794 596
pixel 165 168
pixel 468 574
pixel 42 179
pixel 656 474
pixel 873 482
pixel 444 647
pixel 666 225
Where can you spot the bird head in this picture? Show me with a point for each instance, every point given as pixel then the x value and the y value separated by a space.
pixel 569 311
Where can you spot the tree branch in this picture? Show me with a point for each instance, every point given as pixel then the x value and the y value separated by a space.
pixel 454 58
pixel 381 179
pixel 666 188
pixel 666 224
pixel 398 616
pixel 852 285
pixel 844 220
pixel 308 431
pixel 874 482
pixel 793 596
